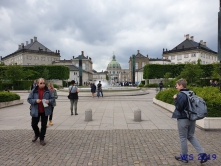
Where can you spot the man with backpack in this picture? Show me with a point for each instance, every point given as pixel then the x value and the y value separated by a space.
pixel 186 127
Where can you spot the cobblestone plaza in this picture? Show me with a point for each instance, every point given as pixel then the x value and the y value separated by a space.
pixel 112 138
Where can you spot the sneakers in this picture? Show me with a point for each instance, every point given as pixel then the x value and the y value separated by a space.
pixel 50 122
pixel 42 142
pixel 76 113
pixel 181 159
pixel 204 158
pixel 72 113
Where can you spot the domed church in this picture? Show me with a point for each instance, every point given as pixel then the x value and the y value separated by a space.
pixel 115 72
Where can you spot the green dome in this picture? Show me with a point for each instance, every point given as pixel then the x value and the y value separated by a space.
pixel 114 64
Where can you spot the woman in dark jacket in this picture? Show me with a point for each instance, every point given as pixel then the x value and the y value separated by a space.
pixel 93 89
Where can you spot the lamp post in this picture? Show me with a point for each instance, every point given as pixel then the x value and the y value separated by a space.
pixel 219 41
pixel 80 70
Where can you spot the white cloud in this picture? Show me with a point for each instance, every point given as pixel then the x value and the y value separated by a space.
pixel 100 27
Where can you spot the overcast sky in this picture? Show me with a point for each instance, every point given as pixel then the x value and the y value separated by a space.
pixel 101 27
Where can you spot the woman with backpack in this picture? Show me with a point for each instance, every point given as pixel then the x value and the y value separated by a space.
pixel 73 96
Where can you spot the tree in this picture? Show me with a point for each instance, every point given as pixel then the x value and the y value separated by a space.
pixel 14 73
pixel 192 73
pixel 45 74
pixel 30 74
pixel 107 77
pixel 215 72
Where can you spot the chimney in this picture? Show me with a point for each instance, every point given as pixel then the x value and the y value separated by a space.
pixel 22 45
pixel 192 38
pixel 19 47
pixel 73 57
pixel 187 36
pixel 35 39
pixel 87 57
pixel 201 42
pixel 138 51
pixel 26 43
pixel 31 40
pixel 204 43
pixel 82 53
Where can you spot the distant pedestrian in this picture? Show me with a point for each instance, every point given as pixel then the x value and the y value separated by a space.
pixel 216 84
pixel 93 89
pixel 73 91
pixel 99 89
pixel 186 127
pixel 211 83
pixel 161 85
pixel 41 101
pixel 34 84
pixel 54 94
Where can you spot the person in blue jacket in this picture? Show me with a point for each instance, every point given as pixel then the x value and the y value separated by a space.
pixel 41 101
pixel 186 127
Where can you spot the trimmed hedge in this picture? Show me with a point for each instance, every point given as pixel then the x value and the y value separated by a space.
pixel 8 96
pixel 211 95
pixel 152 71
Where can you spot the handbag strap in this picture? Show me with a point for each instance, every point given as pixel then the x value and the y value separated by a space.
pixel 71 89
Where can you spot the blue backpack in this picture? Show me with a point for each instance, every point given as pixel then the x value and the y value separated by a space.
pixel 197 108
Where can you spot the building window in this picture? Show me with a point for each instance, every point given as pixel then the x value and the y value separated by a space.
pixel 172 57
pixel 83 66
pixel 136 65
pixel 194 62
pixel 43 58
pixel 193 55
pixel 29 57
pixel 143 64
pixel 186 56
pixel 179 57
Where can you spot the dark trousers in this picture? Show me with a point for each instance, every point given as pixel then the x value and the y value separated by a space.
pixel 50 117
pixel 34 124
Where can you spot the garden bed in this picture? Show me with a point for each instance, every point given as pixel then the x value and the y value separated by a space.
pixel 208 123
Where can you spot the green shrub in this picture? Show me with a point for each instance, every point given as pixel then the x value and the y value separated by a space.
pixel 55 86
pixel 141 85
pixel 211 95
pixel 8 96
pixel 153 85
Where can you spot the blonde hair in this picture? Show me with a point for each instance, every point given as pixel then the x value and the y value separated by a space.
pixel 51 85
pixel 182 82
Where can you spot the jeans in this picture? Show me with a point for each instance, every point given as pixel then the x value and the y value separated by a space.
pixel 186 130
pixel 74 102
pixel 50 117
pixel 98 93
pixel 34 124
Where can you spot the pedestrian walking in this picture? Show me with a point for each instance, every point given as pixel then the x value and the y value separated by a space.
pixel 186 127
pixel 99 89
pixel 161 85
pixel 41 101
pixel 93 89
pixel 54 94
pixel 73 93
pixel 34 84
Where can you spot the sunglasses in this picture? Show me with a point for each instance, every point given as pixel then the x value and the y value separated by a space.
pixel 41 83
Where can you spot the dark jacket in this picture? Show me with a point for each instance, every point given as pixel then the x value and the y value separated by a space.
pixel 181 102
pixel 33 86
pixel 93 88
pixel 32 98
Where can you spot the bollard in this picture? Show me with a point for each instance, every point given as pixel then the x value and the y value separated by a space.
pixel 88 115
pixel 137 115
